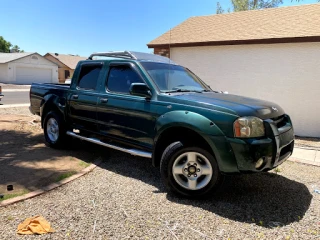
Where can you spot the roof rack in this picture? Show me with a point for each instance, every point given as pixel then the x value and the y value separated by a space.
pixel 119 54
pixel 133 55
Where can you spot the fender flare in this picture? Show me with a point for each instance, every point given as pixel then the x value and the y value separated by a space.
pixel 191 120
pixel 203 126
pixel 52 101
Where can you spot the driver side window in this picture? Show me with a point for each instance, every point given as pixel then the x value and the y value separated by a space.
pixel 120 79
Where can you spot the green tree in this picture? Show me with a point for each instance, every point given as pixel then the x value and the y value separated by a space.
pixel 219 9
pixel 6 46
pixel 244 5
pixel 16 48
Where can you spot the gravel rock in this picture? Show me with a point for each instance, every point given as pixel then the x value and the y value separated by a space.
pixel 124 198
pixel 17 110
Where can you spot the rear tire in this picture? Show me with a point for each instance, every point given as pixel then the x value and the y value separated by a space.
pixel 190 171
pixel 54 130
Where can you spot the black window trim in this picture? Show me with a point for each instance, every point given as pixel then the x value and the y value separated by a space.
pixel 99 63
pixel 133 67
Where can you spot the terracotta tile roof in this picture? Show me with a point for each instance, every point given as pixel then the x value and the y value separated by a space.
pixel 274 23
pixel 69 60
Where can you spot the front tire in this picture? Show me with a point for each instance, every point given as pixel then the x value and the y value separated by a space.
pixel 54 130
pixel 189 171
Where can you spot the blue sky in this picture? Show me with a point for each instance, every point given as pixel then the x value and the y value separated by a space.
pixel 83 27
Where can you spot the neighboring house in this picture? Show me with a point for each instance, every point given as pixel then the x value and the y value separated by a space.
pixel 66 63
pixel 272 54
pixel 26 68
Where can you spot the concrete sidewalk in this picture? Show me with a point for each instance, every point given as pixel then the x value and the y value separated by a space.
pixel 15 90
pixel 306 155
pixel 15 105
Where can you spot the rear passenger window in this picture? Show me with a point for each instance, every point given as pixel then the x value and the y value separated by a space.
pixel 120 79
pixel 89 75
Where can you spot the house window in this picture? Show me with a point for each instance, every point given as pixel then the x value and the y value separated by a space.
pixel 66 74
pixel 34 58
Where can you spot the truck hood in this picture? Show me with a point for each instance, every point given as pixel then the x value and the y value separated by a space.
pixel 234 104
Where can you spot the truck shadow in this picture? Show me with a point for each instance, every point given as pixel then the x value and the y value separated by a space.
pixel 268 200
pixel 28 165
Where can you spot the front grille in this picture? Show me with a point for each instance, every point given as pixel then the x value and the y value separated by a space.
pixel 280 121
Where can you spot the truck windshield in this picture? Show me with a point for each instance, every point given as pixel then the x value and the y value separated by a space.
pixel 173 78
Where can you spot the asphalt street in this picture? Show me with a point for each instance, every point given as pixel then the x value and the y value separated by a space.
pixel 15 98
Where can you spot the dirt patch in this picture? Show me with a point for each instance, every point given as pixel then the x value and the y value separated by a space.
pixel 27 163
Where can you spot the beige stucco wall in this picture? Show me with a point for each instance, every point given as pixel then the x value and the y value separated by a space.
pixel 61 69
pixel 288 74
pixel 3 72
pixel 62 74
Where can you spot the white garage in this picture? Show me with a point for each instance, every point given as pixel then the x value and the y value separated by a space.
pixel 271 54
pixel 27 68
pixel 27 75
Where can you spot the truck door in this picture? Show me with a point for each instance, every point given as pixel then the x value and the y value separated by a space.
pixel 122 116
pixel 83 97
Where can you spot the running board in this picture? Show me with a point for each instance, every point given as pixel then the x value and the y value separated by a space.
pixel 134 152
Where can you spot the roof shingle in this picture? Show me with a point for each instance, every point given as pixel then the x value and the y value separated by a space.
pixel 8 57
pixel 69 60
pixel 274 23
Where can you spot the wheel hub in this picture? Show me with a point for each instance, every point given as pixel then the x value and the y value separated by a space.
pixel 192 170
pixel 52 129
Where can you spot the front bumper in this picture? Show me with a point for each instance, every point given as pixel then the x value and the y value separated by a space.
pixel 274 149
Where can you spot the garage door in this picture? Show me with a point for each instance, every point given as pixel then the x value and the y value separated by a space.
pixel 25 75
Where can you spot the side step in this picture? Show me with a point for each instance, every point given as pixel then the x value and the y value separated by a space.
pixel 134 152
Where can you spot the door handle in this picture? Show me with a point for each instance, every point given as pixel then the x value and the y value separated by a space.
pixel 103 100
pixel 75 96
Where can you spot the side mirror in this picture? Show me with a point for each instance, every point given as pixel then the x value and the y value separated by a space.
pixel 140 89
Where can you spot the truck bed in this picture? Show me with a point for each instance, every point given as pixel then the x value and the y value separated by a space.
pixel 39 90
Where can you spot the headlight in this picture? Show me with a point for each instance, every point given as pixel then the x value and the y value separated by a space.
pixel 248 127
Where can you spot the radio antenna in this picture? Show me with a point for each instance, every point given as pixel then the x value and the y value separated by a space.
pixel 170 67
pixel 170 48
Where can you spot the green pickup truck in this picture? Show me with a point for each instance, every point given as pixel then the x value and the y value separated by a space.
pixel 148 106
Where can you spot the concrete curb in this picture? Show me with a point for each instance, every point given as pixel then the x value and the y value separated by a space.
pixel 51 186
pixel 15 90
pixel 15 105
pixel 303 161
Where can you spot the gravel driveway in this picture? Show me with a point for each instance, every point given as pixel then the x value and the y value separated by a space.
pixel 123 198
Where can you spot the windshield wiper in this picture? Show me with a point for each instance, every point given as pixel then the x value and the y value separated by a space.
pixel 183 90
pixel 210 90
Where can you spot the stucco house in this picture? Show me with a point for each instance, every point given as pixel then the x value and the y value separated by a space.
pixel 26 68
pixel 271 54
pixel 66 64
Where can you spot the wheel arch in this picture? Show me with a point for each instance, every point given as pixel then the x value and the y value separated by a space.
pixel 177 133
pixel 177 125
pixel 50 103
